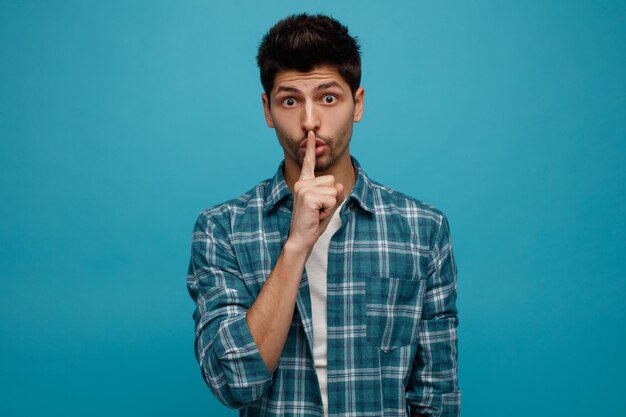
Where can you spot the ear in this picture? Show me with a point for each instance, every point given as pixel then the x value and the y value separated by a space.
pixel 266 110
pixel 359 98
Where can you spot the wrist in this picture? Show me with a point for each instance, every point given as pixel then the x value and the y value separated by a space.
pixel 295 250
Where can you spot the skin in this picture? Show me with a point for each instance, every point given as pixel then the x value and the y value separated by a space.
pixel 305 109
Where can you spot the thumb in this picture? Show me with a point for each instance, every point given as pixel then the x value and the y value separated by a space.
pixel 340 192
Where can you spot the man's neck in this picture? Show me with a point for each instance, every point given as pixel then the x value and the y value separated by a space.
pixel 343 171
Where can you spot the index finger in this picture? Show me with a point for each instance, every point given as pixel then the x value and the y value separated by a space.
pixel 308 165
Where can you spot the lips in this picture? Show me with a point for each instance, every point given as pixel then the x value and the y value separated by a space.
pixel 318 143
pixel 319 150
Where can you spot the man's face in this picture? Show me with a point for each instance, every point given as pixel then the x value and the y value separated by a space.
pixel 319 100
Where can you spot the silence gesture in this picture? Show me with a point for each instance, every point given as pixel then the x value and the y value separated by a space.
pixel 315 200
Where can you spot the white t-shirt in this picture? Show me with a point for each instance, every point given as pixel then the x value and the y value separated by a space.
pixel 316 270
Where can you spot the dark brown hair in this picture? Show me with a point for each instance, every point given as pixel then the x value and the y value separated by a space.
pixel 302 42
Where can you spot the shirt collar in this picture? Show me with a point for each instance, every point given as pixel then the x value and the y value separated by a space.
pixel 361 192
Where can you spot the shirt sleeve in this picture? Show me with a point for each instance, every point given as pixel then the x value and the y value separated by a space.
pixel 433 386
pixel 229 359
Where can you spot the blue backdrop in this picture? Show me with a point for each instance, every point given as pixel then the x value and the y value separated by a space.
pixel 120 121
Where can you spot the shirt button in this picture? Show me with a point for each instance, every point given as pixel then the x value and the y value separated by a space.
pixel 318 401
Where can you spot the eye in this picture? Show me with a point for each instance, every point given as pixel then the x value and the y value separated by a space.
pixel 329 99
pixel 289 102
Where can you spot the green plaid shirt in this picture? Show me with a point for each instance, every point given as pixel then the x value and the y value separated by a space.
pixel 391 299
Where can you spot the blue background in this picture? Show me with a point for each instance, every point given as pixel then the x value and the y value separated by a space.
pixel 120 121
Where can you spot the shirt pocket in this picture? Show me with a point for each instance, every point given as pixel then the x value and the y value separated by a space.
pixel 393 311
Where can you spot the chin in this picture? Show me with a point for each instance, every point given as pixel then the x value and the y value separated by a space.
pixel 324 165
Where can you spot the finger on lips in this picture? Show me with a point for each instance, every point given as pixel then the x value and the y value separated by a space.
pixel 319 191
pixel 308 165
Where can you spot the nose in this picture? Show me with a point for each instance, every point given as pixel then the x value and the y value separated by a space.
pixel 310 117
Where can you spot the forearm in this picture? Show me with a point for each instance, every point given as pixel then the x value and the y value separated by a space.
pixel 269 318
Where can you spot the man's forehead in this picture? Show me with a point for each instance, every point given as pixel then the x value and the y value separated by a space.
pixel 311 79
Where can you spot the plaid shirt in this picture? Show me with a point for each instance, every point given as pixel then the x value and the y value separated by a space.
pixel 391 299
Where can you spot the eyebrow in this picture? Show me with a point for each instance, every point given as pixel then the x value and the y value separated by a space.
pixel 328 85
pixel 324 86
pixel 287 89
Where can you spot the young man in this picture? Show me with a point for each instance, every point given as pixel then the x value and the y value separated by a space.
pixel 320 291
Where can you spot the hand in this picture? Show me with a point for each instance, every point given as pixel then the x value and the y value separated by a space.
pixel 315 201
